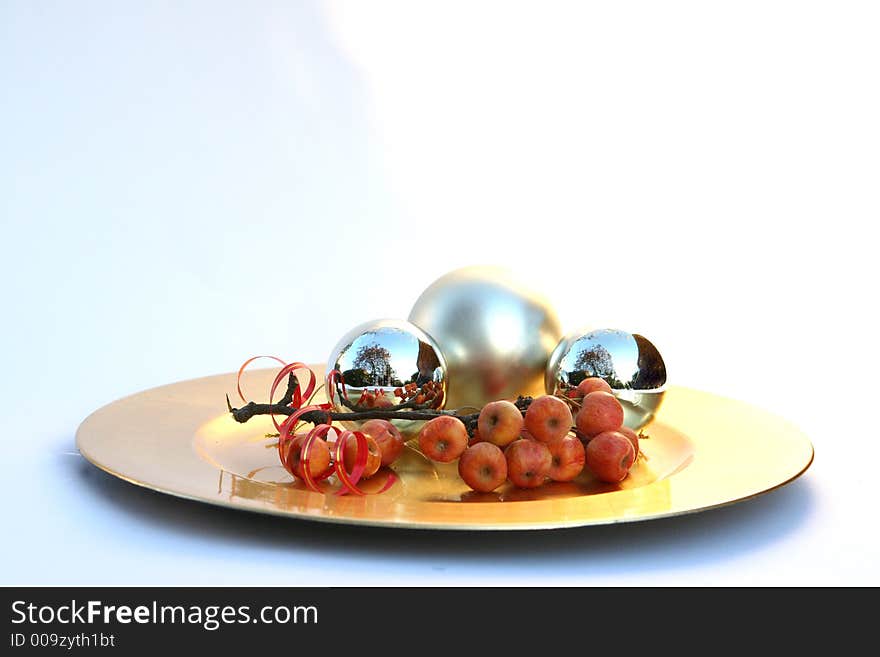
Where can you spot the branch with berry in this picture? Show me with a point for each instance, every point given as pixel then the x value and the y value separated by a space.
pixel 418 404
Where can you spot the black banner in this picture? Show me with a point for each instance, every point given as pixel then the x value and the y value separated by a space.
pixel 340 620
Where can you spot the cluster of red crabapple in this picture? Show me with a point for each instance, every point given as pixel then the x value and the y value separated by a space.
pixel 538 446
pixel 526 449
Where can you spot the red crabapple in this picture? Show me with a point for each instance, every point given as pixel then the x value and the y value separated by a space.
pixel 633 438
pixel 387 437
pixel 568 458
pixel 319 456
pixel 500 422
pixel 374 456
pixel 443 439
pixel 528 463
pixel 483 467
pixel 548 419
pixel 610 456
pixel 592 384
pixel 599 412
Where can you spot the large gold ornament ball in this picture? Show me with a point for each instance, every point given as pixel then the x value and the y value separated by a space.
pixel 495 333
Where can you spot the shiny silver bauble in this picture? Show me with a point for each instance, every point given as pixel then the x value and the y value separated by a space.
pixel 629 363
pixel 496 334
pixel 383 364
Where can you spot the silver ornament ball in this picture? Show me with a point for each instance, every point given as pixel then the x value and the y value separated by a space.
pixel 376 359
pixel 629 363
pixel 495 332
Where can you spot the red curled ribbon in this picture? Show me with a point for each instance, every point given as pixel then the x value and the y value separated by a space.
pixel 287 428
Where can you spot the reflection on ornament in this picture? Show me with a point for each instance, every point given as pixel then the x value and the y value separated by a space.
pixel 496 334
pixel 384 364
pixel 629 363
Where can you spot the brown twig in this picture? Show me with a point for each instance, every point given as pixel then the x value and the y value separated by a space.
pixel 402 412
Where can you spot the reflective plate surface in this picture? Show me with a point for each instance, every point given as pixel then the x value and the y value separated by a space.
pixel 704 451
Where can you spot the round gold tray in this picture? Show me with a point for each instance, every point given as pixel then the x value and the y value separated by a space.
pixel 704 451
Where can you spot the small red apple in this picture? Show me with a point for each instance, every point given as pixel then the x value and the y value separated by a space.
pixel 528 463
pixel 610 456
pixel 483 467
pixel 599 412
pixel 500 422
pixel 443 439
pixel 387 437
pixel 374 456
pixel 319 456
pixel 568 458
pixel 548 419
pixel 633 438
pixel 592 384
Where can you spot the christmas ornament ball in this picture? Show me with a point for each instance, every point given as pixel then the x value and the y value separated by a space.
pixel 628 362
pixel 495 333
pixel 385 363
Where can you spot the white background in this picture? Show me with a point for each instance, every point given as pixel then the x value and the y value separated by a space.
pixel 185 184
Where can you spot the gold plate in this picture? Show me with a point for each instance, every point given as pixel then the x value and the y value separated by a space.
pixel 704 451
